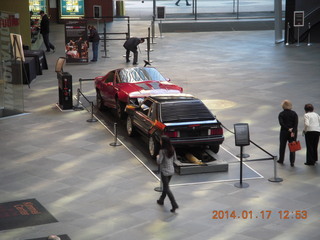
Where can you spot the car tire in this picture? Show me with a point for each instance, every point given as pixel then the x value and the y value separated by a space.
pixel 130 128
pixel 100 104
pixel 120 109
pixel 154 147
pixel 215 148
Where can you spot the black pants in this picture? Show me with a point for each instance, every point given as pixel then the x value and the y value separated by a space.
pixel 47 42
pixel 285 137
pixel 166 191
pixel 312 140
pixel 135 55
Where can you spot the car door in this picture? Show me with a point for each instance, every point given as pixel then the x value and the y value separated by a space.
pixel 108 89
pixel 142 119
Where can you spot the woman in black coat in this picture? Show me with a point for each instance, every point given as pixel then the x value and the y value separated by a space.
pixel 288 120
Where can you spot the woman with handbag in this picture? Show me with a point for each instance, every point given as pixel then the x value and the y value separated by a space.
pixel 288 120
pixel 311 133
pixel 165 159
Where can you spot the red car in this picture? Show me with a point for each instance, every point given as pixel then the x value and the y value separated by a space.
pixel 131 85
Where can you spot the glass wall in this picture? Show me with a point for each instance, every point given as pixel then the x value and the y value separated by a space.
pixel 11 87
pixel 202 9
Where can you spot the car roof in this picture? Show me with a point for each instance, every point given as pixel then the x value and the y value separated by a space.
pixel 133 68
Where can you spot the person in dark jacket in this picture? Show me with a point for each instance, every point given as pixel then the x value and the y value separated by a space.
pixel 44 30
pixel 132 45
pixel 94 38
pixel 288 120
pixel 165 159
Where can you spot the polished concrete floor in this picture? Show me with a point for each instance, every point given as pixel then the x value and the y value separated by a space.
pixel 98 192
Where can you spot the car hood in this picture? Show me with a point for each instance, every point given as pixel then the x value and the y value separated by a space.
pixel 144 89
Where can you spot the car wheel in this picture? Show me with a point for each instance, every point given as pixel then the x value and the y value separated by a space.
pixel 154 147
pixel 215 148
pixel 120 109
pixel 100 104
pixel 130 127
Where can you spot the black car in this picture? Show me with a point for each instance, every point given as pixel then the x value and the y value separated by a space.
pixel 184 118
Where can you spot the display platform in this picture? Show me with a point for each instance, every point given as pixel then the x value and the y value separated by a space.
pixel 139 148
pixel 210 167
pixel 62 237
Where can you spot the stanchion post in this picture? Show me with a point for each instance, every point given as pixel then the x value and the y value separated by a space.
pixel 161 29
pixel 115 132
pixel 158 189
pixel 148 42
pixel 78 97
pixel 77 107
pixel 298 43
pixel 309 43
pixel 152 31
pixel 105 42
pixel 288 30
pixel 241 184
pixel 128 28
pixel 92 119
pixel 275 178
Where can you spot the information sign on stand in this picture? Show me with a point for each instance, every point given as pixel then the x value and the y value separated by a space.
pixel 242 134
pixel 242 139
pixel 161 12
pixel 298 21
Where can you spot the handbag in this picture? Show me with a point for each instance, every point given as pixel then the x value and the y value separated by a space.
pixel 294 146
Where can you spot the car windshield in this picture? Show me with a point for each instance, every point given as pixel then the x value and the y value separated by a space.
pixel 132 75
pixel 185 111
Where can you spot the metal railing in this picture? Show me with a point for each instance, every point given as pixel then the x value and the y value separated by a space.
pixel 275 178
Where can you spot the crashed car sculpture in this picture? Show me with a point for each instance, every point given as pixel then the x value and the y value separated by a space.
pixel 184 118
pixel 130 85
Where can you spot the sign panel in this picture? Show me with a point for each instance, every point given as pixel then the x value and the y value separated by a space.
pixel 76 41
pixel 298 19
pixel 36 6
pixel 161 12
pixel 17 47
pixel 241 131
pixel 71 8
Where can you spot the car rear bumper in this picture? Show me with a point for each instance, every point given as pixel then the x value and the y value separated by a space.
pixel 196 141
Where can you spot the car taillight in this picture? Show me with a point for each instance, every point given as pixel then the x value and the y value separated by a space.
pixel 215 131
pixel 172 134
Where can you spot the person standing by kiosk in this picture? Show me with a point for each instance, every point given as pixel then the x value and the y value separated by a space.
pixel 94 38
pixel 44 30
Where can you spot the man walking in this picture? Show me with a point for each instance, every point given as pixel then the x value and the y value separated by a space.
pixel 44 30
pixel 132 45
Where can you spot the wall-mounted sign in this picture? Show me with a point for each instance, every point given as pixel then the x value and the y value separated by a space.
pixel 36 6
pixel 298 19
pixel 71 8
